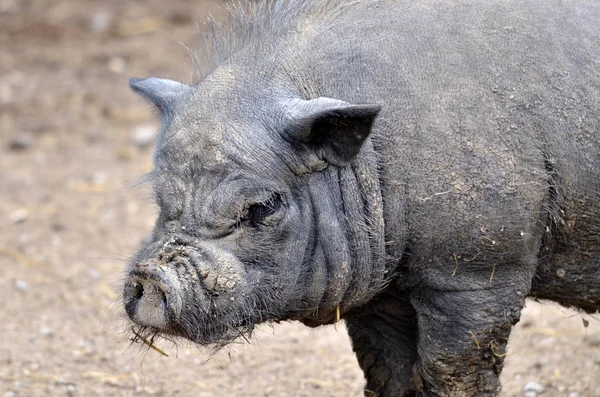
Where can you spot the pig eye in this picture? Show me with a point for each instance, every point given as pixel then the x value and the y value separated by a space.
pixel 258 213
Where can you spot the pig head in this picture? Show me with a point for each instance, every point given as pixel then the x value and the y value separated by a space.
pixel 261 216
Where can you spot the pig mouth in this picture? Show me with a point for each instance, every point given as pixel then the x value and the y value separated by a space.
pixel 168 296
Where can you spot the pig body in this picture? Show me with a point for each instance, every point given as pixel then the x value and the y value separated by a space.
pixel 416 168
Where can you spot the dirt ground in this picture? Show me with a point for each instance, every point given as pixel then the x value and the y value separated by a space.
pixel 74 143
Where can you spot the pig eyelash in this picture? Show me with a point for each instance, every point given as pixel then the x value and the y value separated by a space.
pixel 256 213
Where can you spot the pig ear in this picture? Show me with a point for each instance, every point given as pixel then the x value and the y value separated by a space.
pixel 163 93
pixel 335 128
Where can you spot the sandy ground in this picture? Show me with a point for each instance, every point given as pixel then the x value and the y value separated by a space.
pixel 73 146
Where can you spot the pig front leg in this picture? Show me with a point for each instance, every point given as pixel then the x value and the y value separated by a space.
pixel 384 339
pixel 463 331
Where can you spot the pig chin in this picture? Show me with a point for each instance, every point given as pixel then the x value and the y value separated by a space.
pixel 190 292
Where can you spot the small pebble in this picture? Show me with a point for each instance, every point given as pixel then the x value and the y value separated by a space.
pixel 549 341
pixel 58 227
pixel 62 382
pixel 95 274
pixel 532 389
pixel 143 136
pixel 45 331
pixel 19 216
pixel 9 394
pixel 99 21
pixel 108 215
pixel 21 285
pixel 573 394
pixel 116 65
pixel 99 178
pixel 20 142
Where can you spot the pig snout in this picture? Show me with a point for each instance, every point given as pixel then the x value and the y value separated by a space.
pixel 152 295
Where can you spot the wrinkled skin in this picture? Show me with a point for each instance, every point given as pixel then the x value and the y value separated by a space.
pixel 416 168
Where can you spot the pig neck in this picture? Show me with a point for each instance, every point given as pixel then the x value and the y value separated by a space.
pixel 349 237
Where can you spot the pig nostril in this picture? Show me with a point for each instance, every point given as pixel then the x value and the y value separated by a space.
pixel 150 292
pixel 164 298
pixel 138 291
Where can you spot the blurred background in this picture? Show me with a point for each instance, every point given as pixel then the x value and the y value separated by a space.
pixel 74 143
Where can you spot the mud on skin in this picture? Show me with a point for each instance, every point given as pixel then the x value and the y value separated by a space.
pixel 341 159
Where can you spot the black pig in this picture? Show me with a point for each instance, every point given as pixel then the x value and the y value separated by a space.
pixel 417 168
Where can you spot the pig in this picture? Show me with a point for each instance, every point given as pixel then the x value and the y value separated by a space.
pixel 416 168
